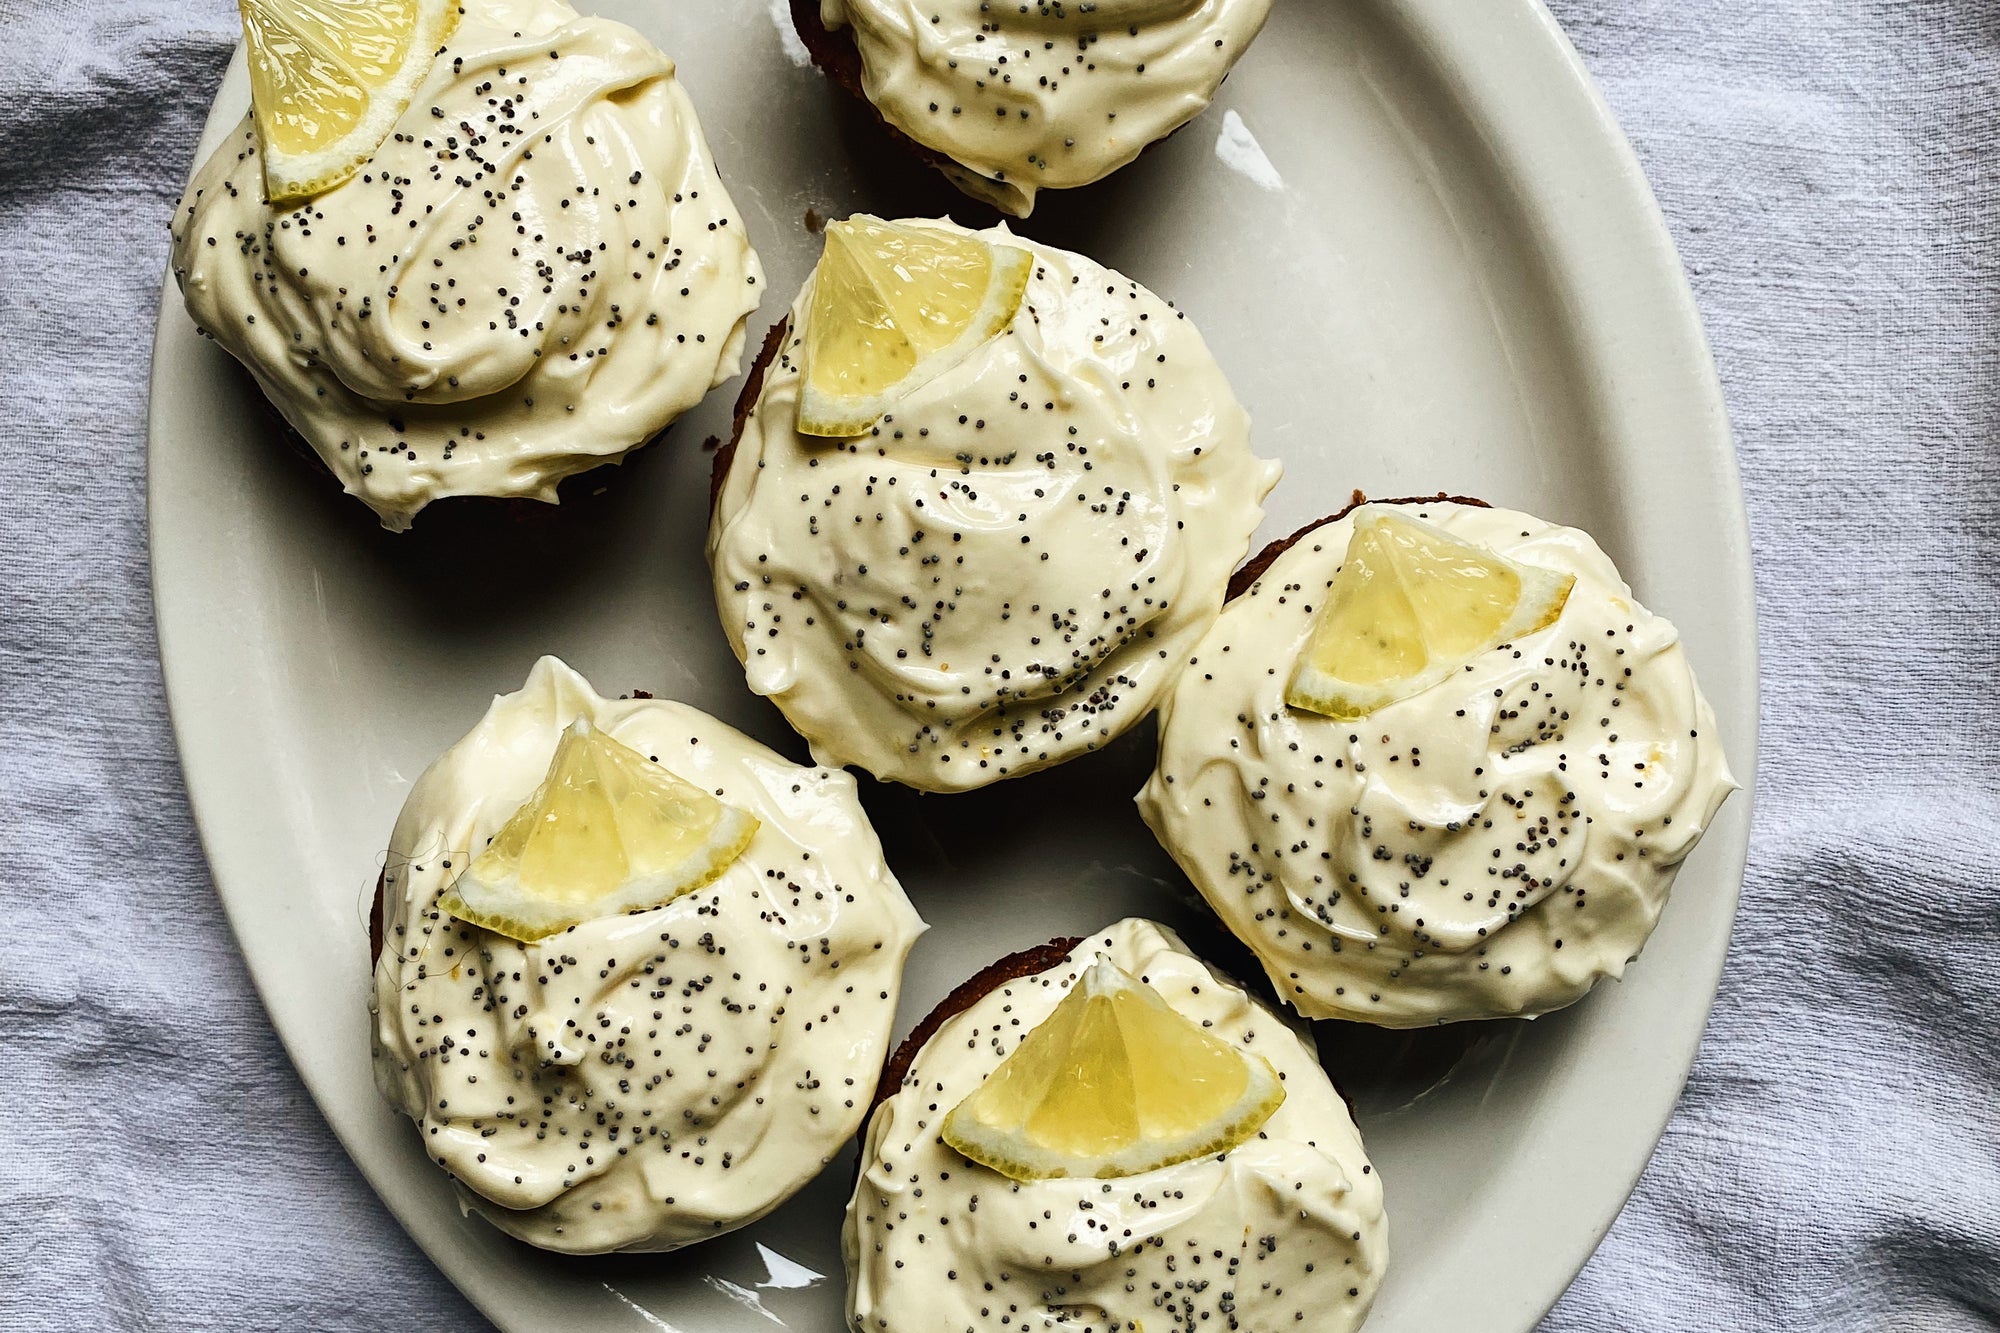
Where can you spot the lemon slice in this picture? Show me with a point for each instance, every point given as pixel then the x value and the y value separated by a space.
pixel 1411 604
pixel 329 78
pixel 895 305
pixel 1113 1083
pixel 607 832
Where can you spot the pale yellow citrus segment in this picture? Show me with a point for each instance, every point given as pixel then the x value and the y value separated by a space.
pixel 894 305
pixel 1113 1083
pixel 329 78
pixel 608 832
pixel 1410 604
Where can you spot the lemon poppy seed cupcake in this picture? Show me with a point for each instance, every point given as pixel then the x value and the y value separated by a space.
pixel 1436 764
pixel 985 497
pixel 1009 100
pixel 532 271
pixel 636 973
pixel 1087 1135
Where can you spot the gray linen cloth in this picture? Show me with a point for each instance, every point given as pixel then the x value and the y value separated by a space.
pixel 1828 168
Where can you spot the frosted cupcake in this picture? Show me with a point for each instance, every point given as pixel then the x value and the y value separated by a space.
pixel 1008 100
pixel 532 269
pixel 983 498
pixel 1436 764
pixel 1105 1134
pixel 635 973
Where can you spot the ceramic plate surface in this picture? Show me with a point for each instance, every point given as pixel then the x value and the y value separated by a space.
pixel 1422 251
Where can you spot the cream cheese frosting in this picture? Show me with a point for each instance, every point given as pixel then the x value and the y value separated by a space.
pixel 1490 847
pixel 1286 1231
pixel 639 1082
pixel 1022 97
pixel 1009 568
pixel 538 270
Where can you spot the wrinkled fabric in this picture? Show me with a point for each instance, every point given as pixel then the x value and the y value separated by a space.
pixel 1828 169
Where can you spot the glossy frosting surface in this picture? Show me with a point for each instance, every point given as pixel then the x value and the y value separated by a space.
pixel 1048 95
pixel 641 1081
pixel 1007 571
pixel 1284 1232
pixel 1492 846
pixel 537 272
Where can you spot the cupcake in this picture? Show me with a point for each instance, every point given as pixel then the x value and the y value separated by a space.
pixel 1434 764
pixel 533 270
pixel 1105 1134
pixel 983 497
pixel 1007 100
pixel 635 973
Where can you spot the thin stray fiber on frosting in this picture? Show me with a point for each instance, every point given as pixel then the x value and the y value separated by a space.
pixel 1009 568
pixel 1490 847
pixel 1285 1231
pixel 1048 95
pixel 537 272
pixel 647 1081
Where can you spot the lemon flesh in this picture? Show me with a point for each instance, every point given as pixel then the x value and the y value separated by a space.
pixel 608 832
pixel 1113 1083
pixel 330 78
pixel 894 305
pixel 1411 604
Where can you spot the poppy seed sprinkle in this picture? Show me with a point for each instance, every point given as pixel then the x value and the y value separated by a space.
pixel 966 593
pixel 1490 846
pixel 641 1080
pixel 508 278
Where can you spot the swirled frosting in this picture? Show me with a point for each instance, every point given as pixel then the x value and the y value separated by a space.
pixel 646 1081
pixel 1285 1231
pixel 1489 847
pixel 536 273
pixel 1045 95
pixel 1007 570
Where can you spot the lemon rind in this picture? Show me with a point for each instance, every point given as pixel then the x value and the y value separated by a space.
pixel 828 416
pixel 1260 1100
pixel 1011 1153
pixel 1544 594
pixel 521 920
pixel 293 177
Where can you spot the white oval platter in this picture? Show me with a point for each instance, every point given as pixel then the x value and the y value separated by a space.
pixel 1417 242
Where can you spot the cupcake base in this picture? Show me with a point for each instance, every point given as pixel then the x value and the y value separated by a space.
pixel 839 59
pixel 834 52
pixel 753 387
pixel 512 509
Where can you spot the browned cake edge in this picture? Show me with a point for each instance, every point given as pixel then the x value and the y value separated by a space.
pixel 1014 967
pixel 1253 569
pixel 753 385
pixel 839 59
pixel 513 508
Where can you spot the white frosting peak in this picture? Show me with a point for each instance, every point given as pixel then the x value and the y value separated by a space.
pixel 537 271
pixel 644 1081
pixel 1489 847
pixel 1004 572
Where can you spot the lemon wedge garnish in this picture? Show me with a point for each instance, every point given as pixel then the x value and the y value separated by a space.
pixel 895 305
pixel 608 832
pixel 1114 1082
pixel 1411 604
pixel 329 78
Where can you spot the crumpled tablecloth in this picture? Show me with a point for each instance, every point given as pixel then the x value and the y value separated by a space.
pixel 1829 171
